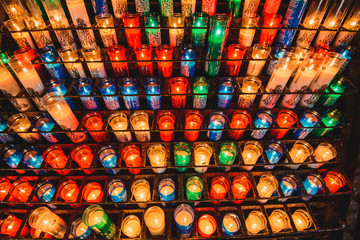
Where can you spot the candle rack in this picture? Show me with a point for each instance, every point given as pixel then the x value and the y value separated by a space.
pixel 325 218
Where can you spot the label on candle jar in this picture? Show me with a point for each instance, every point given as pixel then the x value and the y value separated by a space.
pixel 119 194
pixel 167 193
pixel 112 103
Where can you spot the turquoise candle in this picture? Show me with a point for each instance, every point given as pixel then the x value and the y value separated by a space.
pixel 199 20
pixel 216 40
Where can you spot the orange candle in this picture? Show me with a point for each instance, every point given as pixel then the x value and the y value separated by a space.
pixel 92 192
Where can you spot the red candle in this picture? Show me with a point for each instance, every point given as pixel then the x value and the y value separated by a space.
pixel 35 233
pixel 133 36
pixel 165 52
pixel 29 54
pixel 83 156
pixel 219 188
pixel 94 122
pixel 323 50
pixel 117 53
pixel 92 192
pixel 240 187
pixel 144 53
pixel 271 7
pixel 334 181
pixel 132 158
pixel 206 225
pixel 56 158
pixel 5 187
pixel 69 192
pixel 193 120
pixel 267 36
pixel 234 52
pixel 240 119
pixel 178 86
pixel 10 225
pixel 285 119
pixel 166 121
pixel 20 192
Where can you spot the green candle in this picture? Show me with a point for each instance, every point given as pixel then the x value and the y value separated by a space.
pixel 96 218
pixel 194 188
pixel 233 7
pixel 167 7
pixel 338 86
pixel 153 35
pixel 200 86
pixel 216 40
pixel 227 154
pixel 330 119
pixel 182 152
pixel 199 20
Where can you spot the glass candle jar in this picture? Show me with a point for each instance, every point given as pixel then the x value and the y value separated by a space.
pixel 194 188
pixel 21 124
pixel 187 68
pixel 108 35
pixel 264 119
pixel 69 192
pixel 133 34
pixel 199 26
pixel 266 186
pixel 22 39
pixel 202 155
pixel 240 187
pixel 83 156
pixel 74 67
pixel 250 84
pixel 117 53
pixel 251 153
pixel 285 119
pixel 79 229
pixel 97 70
pixel 10 225
pixel 227 86
pixel 182 155
pixel 227 154
pixel 217 120
pixel 129 87
pixel 45 191
pixel 240 119
pixel 56 158
pixel 132 158
pixel 152 87
pixel 92 192
pixel 178 89
pixel 117 190
pixel 144 52
pixel 166 121
pixel 255 222
pixel 140 189
pixel 40 219
pixel 157 157
pixel 5 187
pixel 313 183
pixel 107 86
pixel 119 121
pixel 49 54
pixel 334 181
pixel 32 158
pixel 259 53
pixel 43 122
pixel 300 151
pixel 279 221
pixel 219 188
pixel 302 219
pixel 200 86
pixel 310 118
pixel 152 24
pixel 246 35
pixel 166 191
pixel 184 217
pixel 234 52
pixel 273 20
pixel 155 220
pixel 96 218
pixel 108 158
pixel 165 52
pixel 12 156
pixel 275 149
pixel 131 226
pixel 207 225
pixel 140 123
pixel 193 121
pixel 176 35
pixel 20 191
pixel 323 153
pixel 230 224
pixel 94 122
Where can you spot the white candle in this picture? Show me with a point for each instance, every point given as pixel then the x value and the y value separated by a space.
pixel 325 37
pixel 30 79
pixel 23 39
pixel 254 223
pixel 122 136
pixel 120 7
pixel 141 123
pixel 176 35
pixel 131 227
pixel 250 8
pixel 97 70
pixel 205 225
pixel 202 158
pixel 95 217
pixel 305 38
pixel 323 153
pixel 93 195
pixel 155 221
pixel 246 37
pixel 301 220
pixel 255 68
pixel 157 157
pixel 184 218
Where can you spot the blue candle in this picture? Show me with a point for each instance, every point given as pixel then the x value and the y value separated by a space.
pixel 100 7
pixel 107 86
pixel 45 192
pixel 152 86
pixel 227 225
pixel 107 157
pixel 274 151
pixel 117 191
pixel 4 137
pixel 264 119
pixel 184 226
pixel 188 52
pixel 278 51
pixel 346 52
pixel 288 184
pixel 166 190
pixel 309 119
pixel 217 121
pixel 32 158
pixel 226 85
pixel 83 87
pixel 58 85
pixel 313 183
pixel 129 87
pixel 80 230
pixel 43 122
pixel 11 155
pixel 49 54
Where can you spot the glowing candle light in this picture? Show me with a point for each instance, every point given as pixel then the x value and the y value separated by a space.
pixel 202 155
pixel 182 153
pixel 227 155
pixel 184 218
pixel 108 35
pixel 21 191
pixel 129 87
pixel 10 225
pixel 338 86
pixel 144 52
pixel 83 87
pixel 166 121
pixel 188 52
pixel 267 36
pixel 157 156
pixel 32 158
pixel 22 39
pixel 45 191
pixel 313 183
pixel 107 157
pixel 219 188
pixel 117 191
pixel 323 153
pixel 92 192
pixel 234 52
pixel 47 221
pixel 207 225
pixel 264 119
pixel 250 84
pixel 266 187
pixel 285 119
pixel 255 222
pixel 302 219
pixel 131 226
pixel 200 86
pixel 131 156
pixel 217 120
pixel 69 192
pixel 118 122
pixel 300 151
pixel 288 184
pixel 250 8
pixel 12 156
pixel 193 121
pixel 133 36
pixel 230 224
pixel 199 21
pixel 334 181
pixel 75 70
pixel 140 189
pixel 176 35
pixel 107 86
pixel 56 158
pixel 13 9
pixel 178 88
pixel 96 218
pixel 97 70
pixel 117 53
pixel 83 156
pixel 259 51
pixel 120 7
pixel 246 35
pixel 21 124
pixel 331 118
pixel 194 189
pixel 274 151
pixel 93 122
pixel 152 23
pixel 240 187
pixel 309 118
pixel 155 220
pixel 166 191
pixel 240 119
pixel 140 123
pixel 279 220
pixel 79 229
pixel 165 52
pixel 152 87
pixel 5 187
